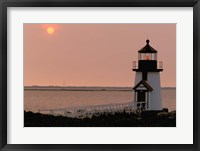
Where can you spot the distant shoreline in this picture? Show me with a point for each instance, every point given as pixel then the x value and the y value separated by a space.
pixel 69 90
pixel 74 88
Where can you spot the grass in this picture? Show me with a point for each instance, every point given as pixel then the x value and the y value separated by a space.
pixel 145 119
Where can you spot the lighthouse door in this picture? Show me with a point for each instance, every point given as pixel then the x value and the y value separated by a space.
pixel 141 100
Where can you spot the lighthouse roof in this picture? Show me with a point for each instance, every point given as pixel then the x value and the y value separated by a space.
pixel 144 84
pixel 147 48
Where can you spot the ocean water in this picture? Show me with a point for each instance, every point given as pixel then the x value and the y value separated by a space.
pixel 46 98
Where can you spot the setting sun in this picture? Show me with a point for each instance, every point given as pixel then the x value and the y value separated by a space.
pixel 50 30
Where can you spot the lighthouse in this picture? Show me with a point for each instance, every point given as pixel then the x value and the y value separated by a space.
pixel 147 88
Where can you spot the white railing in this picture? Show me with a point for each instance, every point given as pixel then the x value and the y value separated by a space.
pixel 88 111
pixel 134 65
pixel 160 65
pixel 140 106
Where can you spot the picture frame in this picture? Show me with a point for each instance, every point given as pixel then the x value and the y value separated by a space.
pixel 98 3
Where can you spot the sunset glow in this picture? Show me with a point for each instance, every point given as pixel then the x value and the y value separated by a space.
pixel 94 54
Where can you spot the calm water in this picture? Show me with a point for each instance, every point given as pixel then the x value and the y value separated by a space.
pixel 40 99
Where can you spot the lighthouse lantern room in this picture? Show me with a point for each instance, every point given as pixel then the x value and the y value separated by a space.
pixel 147 87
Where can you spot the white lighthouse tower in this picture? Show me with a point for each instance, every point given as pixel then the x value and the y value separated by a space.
pixel 147 80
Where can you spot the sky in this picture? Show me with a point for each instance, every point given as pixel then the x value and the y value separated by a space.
pixel 94 54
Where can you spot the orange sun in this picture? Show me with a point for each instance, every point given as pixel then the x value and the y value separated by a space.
pixel 50 30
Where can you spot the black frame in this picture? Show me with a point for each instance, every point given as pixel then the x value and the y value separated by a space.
pixel 98 3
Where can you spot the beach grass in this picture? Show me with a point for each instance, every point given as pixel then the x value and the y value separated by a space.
pixel 145 119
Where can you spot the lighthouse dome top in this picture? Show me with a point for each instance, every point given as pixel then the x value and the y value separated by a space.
pixel 147 48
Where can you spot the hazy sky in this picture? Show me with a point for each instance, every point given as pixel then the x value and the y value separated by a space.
pixel 94 54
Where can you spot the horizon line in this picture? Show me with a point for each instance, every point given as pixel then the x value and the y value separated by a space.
pixel 86 86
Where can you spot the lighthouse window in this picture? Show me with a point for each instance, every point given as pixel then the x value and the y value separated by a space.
pixel 147 56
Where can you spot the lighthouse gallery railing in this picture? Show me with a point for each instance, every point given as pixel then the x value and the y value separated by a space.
pixel 135 65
